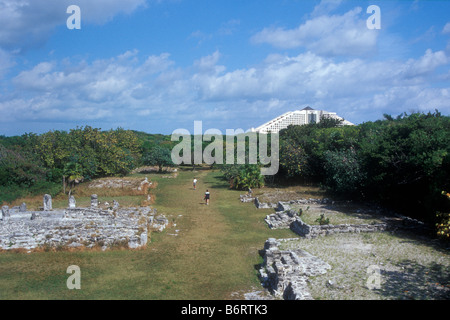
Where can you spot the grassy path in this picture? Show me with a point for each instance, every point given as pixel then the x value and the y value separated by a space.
pixel 217 247
pixel 213 257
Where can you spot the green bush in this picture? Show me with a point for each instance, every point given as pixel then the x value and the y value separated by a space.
pixel 443 224
pixel 243 177
pixel 322 220
pixel 343 172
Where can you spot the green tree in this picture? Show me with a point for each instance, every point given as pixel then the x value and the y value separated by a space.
pixel 158 156
pixel 407 161
pixel 293 158
pixel 302 148
pixel 343 173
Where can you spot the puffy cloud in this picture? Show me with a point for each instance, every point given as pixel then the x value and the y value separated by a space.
pixel 357 88
pixel 57 89
pixel 137 89
pixel 426 64
pixel 334 35
pixel 446 29
pixel 325 7
pixel 30 22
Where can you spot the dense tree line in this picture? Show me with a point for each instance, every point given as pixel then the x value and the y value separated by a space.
pixel 403 162
pixel 32 163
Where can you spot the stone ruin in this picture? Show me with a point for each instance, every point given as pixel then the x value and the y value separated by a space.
pixel 285 218
pixel 94 201
pixel 285 273
pixel 72 202
pixel 78 227
pixel 47 202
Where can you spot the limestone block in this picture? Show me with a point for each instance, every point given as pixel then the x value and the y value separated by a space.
pixel 72 202
pixel 47 202
pixel 5 212
pixel 94 201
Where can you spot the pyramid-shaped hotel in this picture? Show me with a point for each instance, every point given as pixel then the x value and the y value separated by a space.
pixel 298 117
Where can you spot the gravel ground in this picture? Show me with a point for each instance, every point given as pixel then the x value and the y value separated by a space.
pixel 373 266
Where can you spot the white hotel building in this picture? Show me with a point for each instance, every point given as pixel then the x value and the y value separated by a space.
pixel 298 117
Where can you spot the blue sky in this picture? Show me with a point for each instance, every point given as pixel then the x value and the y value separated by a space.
pixel 159 65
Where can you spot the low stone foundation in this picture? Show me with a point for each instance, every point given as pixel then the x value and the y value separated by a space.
pixel 281 219
pixel 262 205
pixel 285 272
pixel 285 218
pixel 79 227
pixel 307 231
pixel 285 205
pixel 247 198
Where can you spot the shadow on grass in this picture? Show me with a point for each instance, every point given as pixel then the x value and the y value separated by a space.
pixel 217 182
pixel 194 168
pixel 416 282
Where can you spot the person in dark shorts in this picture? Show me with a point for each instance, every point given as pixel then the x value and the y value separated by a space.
pixel 207 197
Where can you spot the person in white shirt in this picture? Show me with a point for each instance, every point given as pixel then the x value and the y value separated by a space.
pixel 194 183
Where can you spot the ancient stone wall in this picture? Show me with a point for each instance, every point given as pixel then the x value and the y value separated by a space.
pixel 263 205
pixel 285 218
pixel 79 227
pixel 285 272
pixel 307 231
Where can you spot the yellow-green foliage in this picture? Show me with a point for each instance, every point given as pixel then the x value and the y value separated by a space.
pixel 443 227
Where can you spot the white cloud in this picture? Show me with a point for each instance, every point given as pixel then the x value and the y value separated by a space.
pixel 345 34
pixel 349 86
pixel 446 29
pixel 325 7
pixel 426 64
pixel 28 23
pixel 133 88
pixel 208 64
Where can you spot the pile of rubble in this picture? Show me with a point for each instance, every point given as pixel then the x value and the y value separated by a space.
pixel 285 273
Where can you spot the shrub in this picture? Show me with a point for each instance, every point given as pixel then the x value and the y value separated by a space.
pixel 443 224
pixel 243 177
pixel 322 220
pixel 343 173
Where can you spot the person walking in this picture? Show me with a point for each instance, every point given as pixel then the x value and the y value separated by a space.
pixel 207 197
pixel 194 183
